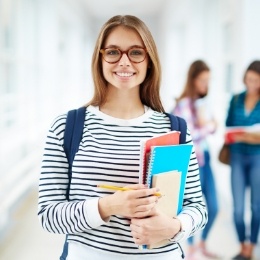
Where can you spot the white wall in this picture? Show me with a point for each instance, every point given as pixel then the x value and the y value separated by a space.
pixel 221 32
pixel 45 56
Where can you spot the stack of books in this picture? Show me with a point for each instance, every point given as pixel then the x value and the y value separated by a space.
pixel 164 164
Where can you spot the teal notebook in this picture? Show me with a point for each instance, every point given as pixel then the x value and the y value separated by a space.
pixel 169 158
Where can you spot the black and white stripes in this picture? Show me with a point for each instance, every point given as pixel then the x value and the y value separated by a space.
pixel 108 153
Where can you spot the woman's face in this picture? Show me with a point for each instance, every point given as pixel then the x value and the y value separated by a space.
pixel 201 83
pixel 252 82
pixel 124 74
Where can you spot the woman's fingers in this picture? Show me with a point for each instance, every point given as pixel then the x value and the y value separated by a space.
pixel 135 203
pixel 143 189
pixel 143 192
pixel 139 235
pixel 137 186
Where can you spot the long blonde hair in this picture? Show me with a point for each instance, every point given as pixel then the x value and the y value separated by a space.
pixel 150 87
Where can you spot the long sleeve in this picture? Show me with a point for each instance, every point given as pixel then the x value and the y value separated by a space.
pixel 194 214
pixel 56 214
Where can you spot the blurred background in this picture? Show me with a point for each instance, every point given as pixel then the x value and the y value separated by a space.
pixel 45 59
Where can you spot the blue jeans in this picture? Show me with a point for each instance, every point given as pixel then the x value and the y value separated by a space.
pixel 209 191
pixel 245 171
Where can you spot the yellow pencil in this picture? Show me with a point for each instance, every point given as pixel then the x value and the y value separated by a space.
pixel 109 187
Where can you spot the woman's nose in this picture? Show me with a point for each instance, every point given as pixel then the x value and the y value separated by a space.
pixel 124 61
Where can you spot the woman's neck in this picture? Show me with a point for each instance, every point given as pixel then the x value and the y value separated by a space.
pixel 251 101
pixel 124 104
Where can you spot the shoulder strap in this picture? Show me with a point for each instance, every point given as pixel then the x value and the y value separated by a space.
pixel 178 124
pixel 72 135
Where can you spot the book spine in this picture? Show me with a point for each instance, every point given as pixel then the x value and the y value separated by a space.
pixel 148 180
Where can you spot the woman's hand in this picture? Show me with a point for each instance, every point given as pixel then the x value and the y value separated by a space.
pixel 250 138
pixel 134 203
pixel 154 229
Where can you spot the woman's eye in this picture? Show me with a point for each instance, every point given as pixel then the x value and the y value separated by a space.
pixel 112 52
pixel 136 52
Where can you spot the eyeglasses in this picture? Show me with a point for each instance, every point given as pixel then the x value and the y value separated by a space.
pixel 134 54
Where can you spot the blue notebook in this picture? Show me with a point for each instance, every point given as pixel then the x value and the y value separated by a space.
pixel 169 158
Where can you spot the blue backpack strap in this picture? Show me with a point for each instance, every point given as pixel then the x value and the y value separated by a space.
pixel 69 128
pixel 178 124
pixel 72 136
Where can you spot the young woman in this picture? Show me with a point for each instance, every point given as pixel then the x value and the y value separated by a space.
pixel 244 110
pixel 125 109
pixel 192 106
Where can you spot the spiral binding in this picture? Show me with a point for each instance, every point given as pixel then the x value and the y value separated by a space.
pixel 149 168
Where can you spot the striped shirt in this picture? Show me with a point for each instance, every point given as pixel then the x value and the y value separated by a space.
pixel 108 153
pixel 238 116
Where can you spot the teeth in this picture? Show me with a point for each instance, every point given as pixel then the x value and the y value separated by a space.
pixel 125 74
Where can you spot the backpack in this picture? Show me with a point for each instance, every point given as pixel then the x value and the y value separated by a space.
pixel 73 134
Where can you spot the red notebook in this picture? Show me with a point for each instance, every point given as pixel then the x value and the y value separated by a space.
pixel 169 138
pixel 231 133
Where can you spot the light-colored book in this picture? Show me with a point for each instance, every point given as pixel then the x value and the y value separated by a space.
pixel 169 185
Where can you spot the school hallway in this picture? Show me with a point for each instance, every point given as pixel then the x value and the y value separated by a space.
pixel 28 241
pixel 46 51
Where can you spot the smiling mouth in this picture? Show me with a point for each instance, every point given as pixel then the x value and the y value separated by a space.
pixel 124 74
